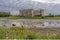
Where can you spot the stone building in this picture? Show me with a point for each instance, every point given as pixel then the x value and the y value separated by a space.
pixel 27 12
pixel 31 12
pixel 41 12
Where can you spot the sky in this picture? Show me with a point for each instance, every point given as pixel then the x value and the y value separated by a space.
pixel 48 1
pixel 14 5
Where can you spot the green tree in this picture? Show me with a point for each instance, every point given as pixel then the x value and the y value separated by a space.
pixel 51 15
pixel 4 14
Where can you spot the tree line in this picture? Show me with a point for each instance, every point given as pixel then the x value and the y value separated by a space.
pixel 4 14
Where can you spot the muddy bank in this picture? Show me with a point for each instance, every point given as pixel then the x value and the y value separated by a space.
pixel 30 23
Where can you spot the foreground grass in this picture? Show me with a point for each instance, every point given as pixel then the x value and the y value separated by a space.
pixel 24 33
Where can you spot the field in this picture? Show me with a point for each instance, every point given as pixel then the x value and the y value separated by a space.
pixel 29 33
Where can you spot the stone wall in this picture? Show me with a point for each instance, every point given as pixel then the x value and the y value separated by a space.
pixel 31 12
pixel 27 12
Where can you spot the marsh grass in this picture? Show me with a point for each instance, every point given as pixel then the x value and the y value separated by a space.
pixel 24 33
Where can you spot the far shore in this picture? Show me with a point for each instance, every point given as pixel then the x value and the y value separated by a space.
pixel 50 18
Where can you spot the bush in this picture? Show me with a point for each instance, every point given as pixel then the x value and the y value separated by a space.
pixel 42 17
pixel 13 25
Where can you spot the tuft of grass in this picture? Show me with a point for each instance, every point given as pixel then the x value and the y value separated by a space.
pixel 24 33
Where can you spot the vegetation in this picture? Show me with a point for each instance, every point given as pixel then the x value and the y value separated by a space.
pixel 4 14
pixel 24 33
pixel 7 15
pixel 51 15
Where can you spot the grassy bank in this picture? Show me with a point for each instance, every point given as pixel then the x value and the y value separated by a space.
pixel 24 33
pixel 36 17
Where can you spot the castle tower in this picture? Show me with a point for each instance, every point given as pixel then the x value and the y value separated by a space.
pixel 41 12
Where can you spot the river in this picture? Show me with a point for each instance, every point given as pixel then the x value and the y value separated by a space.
pixel 30 23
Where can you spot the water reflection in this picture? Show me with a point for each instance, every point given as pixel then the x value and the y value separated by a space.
pixel 52 23
pixel 29 23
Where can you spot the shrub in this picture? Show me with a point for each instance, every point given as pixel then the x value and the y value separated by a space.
pixel 42 17
pixel 13 25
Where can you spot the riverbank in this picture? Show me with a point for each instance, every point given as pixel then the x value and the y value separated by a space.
pixel 24 33
pixel 19 17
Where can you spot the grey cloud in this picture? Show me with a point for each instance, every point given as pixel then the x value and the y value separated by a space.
pixel 15 5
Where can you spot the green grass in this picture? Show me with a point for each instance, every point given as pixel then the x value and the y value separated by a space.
pixel 35 17
pixel 19 17
pixel 24 33
pixel 56 17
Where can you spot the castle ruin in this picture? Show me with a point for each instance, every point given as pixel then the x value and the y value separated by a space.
pixel 31 12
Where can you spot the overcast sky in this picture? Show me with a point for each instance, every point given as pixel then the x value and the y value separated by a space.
pixel 48 1
pixel 15 5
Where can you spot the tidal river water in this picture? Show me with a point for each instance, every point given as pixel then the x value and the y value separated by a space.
pixel 30 23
